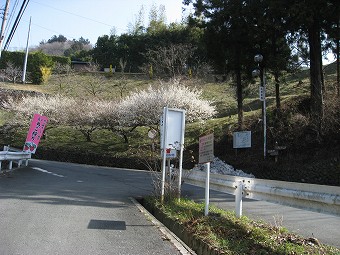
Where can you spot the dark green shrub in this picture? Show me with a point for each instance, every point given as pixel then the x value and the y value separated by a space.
pixel 61 60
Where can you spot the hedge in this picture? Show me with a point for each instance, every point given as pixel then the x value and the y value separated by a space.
pixel 38 65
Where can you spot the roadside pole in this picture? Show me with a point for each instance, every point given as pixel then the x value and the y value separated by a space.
pixel 163 138
pixel 207 189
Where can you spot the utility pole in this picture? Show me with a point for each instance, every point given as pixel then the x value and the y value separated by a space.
pixel 3 25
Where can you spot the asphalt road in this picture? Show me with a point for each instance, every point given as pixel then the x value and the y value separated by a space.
pixel 61 208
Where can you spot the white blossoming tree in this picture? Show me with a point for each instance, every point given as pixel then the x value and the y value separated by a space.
pixel 144 108
pixel 141 108
pixel 54 107
pixel 80 114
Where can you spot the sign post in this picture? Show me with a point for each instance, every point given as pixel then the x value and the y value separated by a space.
pixel 206 155
pixel 163 141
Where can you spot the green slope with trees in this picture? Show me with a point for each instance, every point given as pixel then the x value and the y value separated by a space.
pixel 213 50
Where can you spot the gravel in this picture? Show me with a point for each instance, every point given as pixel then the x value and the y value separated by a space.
pixel 220 167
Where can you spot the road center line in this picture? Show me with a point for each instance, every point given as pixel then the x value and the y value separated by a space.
pixel 47 172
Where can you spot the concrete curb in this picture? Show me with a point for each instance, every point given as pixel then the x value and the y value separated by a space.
pixel 179 244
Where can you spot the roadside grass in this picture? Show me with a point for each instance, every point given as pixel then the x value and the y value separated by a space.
pixel 221 230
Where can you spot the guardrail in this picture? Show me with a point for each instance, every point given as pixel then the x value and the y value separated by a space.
pixel 11 155
pixel 319 198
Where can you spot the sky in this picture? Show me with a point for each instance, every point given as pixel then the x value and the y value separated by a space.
pixel 81 18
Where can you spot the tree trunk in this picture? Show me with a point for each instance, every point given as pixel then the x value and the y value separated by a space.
pixel 317 107
pixel 338 58
pixel 239 93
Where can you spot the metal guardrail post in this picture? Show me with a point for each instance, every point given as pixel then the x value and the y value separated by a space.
pixel 238 199
pixel 11 154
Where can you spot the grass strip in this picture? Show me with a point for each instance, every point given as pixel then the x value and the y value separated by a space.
pixel 222 231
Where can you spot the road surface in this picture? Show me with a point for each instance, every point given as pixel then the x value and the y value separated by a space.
pixel 61 208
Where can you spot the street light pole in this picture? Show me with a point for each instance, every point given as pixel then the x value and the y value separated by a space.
pixel 261 72
pixel 264 114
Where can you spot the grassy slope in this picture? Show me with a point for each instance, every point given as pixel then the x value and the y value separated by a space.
pixel 293 87
pixel 226 234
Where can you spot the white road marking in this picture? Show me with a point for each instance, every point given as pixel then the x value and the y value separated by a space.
pixel 47 172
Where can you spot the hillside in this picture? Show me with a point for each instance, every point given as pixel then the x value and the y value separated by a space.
pixel 307 157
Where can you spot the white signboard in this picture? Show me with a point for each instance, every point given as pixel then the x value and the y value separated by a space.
pixel 242 139
pixel 206 149
pixel 175 129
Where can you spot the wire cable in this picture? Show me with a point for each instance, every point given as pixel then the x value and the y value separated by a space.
pixel 11 16
pixel 16 23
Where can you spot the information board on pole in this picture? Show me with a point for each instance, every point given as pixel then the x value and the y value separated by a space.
pixel 175 133
pixel 206 149
pixel 172 128
pixel 242 139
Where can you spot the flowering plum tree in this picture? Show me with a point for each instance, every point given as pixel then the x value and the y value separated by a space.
pixel 144 108
pixel 141 108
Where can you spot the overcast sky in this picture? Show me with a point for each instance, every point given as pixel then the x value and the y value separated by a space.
pixel 87 18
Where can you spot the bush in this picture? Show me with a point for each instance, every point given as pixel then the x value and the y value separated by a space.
pixel 45 73
pixel 61 60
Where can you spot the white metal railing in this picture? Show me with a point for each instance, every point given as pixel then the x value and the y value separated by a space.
pixel 11 155
pixel 320 198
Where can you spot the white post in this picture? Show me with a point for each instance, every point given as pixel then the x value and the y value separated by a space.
pixel 207 182
pixel 180 168
pixel 26 55
pixel 238 200
pixel 26 163
pixel 165 113
pixel 10 165
pixel 169 170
